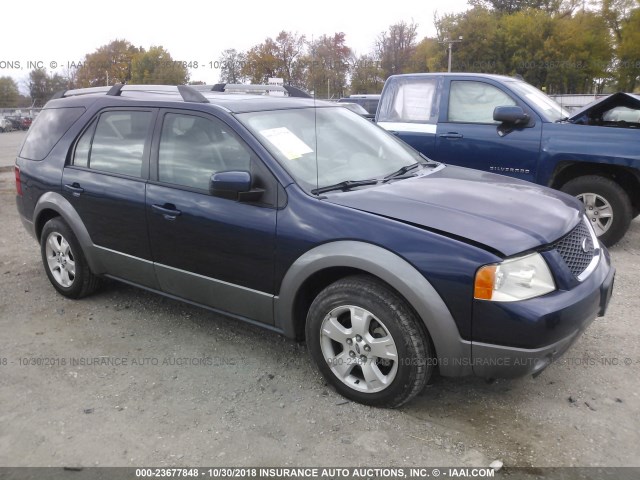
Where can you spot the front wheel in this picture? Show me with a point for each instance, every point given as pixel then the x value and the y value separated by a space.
pixel 607 205
pixel 368 343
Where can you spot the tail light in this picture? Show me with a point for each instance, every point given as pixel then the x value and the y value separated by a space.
pixel 18 183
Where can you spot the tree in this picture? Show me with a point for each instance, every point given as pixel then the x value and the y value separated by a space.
pixel 9 94
pixel 156 67
pixel 429 56
pixel 261 63
pixel 366 75
pixel 511 6
pixel 231 66
pixel 42 86
pixel 578 54
pixel 524 34
pixel 482 46
pixel 395 48
pixel 628 53
pixel 282 57
pixel 289 50
pixel 108 65
pixel 329 66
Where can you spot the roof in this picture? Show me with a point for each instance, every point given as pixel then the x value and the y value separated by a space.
pixel 457 74
pixel 145 94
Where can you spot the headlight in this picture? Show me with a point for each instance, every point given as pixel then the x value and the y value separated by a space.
pixel 514 279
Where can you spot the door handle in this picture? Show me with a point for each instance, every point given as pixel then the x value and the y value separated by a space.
pixel 74 188
pixel 451 135
pixel 168 211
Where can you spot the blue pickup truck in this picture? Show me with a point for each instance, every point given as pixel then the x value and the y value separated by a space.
pixel 504 125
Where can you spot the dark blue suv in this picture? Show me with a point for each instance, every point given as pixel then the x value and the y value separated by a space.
pixel 306 219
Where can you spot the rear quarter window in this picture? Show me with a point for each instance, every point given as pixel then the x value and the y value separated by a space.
pixel 47 129
pixel 408 100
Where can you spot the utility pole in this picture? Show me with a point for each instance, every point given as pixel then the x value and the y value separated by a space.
pixel 450 44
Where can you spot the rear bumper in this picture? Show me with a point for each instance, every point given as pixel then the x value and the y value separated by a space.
pixel 572 310
pixel 28 225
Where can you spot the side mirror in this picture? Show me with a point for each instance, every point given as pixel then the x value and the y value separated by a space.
pixel 234 185
pixel 512 115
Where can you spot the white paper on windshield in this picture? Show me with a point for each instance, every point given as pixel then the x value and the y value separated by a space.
pixel 287 142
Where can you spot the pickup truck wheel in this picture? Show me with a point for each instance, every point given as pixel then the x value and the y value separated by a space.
pixel 607 205
pixel 64 261
pixel 368 343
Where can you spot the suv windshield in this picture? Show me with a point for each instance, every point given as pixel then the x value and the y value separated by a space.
pixel 328 145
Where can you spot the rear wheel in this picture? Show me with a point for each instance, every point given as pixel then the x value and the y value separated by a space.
pixel 368 343
pixel 64 261
pixel 607 205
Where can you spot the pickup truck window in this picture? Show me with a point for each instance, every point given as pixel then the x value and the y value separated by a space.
pixel 474 102
pixel 408 100
pixel 548 108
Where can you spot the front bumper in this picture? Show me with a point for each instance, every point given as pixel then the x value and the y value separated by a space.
pixel 541 329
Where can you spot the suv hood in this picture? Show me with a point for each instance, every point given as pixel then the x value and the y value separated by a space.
pixel 507 215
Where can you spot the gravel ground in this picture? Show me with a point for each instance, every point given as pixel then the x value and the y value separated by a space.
pixel 258 401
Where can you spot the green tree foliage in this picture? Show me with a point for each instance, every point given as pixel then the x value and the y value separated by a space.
pixel 9 94
pixel 231 66
pixel 481 49
pixel 553 47
pixel 395 48
pixel 578 53
pixel 628 53
pixel 42 86
pixel 366 75
pixel 429 56
pixel 108 65
pixel 512 6
pixel 328 62
pixel 156 67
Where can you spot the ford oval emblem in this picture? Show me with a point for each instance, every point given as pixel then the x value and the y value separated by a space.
pixel 585 245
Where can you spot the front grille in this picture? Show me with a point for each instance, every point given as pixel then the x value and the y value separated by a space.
pixel 570 248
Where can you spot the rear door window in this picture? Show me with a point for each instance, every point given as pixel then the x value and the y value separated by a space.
pixel 408 100
pixel 115 143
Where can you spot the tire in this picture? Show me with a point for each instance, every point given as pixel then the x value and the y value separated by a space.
pixel 64 260
pixel 346 353
pixel 607 205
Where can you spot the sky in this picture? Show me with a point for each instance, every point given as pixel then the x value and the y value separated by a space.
pixel 60 34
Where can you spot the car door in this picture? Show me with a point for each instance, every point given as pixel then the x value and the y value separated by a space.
pixel 214 251
pixel 105 182
pixel 468 136
pixel 408 109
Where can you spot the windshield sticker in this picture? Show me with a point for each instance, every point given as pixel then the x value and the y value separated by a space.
pixel 287 142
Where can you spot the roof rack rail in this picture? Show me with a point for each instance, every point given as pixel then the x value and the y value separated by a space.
pixel 284 90
pixel 187 92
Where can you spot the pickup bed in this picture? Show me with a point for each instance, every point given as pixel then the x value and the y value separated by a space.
pixel 504 125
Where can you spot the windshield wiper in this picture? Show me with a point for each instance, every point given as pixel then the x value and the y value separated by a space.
pixel 403 170
pixel 345 185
